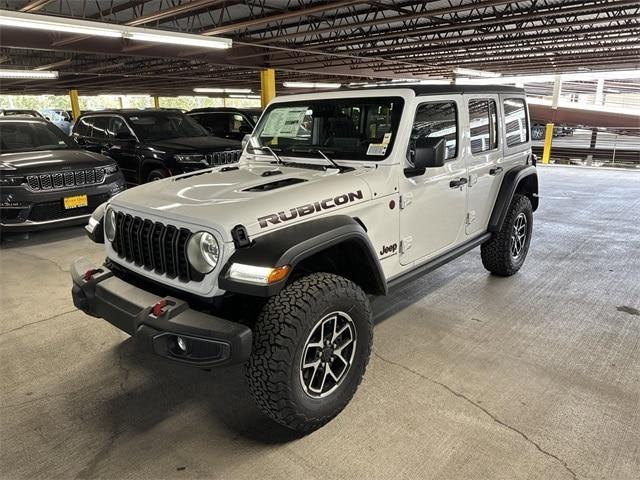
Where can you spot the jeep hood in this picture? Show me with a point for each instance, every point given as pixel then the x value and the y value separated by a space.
pixel 252 195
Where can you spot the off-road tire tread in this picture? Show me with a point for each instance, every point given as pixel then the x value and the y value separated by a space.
pixel 276 333
pixel 496 253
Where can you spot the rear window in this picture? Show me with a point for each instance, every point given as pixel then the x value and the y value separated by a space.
pixel 483 125
pixel 515 119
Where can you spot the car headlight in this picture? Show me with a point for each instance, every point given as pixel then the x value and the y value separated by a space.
pixel 113 168
pixel 190 158
pixel 11 180
pixel 110 225
pixel 203 252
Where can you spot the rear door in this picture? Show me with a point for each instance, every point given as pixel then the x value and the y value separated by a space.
pixel 484 159
pixel 123 151
pixel 434 205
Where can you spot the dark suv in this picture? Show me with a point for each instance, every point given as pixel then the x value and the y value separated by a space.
pixel 231 123
pixel 46 180
pixel 153 144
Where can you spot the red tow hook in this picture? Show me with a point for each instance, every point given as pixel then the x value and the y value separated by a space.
pixel 158 307
pixel 90 273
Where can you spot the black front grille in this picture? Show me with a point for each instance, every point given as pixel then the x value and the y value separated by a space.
pixel 43 211
pixel 223 158
pixel 154 246
pixel 54 181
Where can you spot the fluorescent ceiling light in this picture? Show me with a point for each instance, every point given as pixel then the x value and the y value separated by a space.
pixel 475 73
pixel 221 90
pixel 85 27
pixel 35 74
pixel 550 78
pixel 311 85
pixel 176 38
pixel 243 96
pixel 53 24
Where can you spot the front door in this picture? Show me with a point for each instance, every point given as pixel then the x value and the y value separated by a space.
pixel 123 150
pixel 434 205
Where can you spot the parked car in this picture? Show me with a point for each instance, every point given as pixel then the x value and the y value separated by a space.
pixel 538 131
pixel 231 123
pixel 153 144
pixel 46 180
pixel 21 112
pixel 273 261
pixel 60 118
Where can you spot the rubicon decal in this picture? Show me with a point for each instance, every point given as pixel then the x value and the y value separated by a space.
pixel 309 208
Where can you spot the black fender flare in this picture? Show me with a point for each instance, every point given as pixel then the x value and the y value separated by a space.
pixel 144 162
pixel 291 245
pixel 522 178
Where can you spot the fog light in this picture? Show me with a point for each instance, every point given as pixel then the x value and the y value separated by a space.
pixel 182 344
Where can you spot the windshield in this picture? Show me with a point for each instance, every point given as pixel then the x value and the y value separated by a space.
pixel 344 129
pixel 26 136
pixel 165 125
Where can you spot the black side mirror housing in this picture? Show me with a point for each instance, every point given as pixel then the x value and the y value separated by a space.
pixel 124 136
pixel 430 152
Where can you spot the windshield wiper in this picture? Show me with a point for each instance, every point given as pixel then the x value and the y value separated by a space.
pixel 331 161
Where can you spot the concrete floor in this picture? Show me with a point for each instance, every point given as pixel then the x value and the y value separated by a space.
pixel 535 376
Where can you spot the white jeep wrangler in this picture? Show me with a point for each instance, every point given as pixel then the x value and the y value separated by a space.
pixel 337 197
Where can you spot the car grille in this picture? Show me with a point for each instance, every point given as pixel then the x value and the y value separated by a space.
pixel 223 158
pixel 154 246
pixel 54 181
pixel 43 211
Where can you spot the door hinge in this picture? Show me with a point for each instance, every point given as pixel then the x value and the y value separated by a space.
pixel 405 244
pixel 406 199
pixel 473 179
pixel 471 217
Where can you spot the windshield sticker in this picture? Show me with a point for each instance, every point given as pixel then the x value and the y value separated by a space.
pixel 284 122
pixel 387 138
pixel 378 149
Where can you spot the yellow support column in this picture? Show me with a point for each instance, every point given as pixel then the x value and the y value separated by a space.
pixel 267 85
pixel 548 136
pixel 156 101
pixel 75 103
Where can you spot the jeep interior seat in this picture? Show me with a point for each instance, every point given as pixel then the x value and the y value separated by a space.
pixel 341 132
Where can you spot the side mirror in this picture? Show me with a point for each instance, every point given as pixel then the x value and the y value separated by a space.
pixel 430 152
pixel 123 135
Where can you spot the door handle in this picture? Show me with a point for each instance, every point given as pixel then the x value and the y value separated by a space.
pixel 458 183
pixel 495 171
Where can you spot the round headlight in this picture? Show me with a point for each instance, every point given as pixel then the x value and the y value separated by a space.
pixel 110 225
pixel 203 252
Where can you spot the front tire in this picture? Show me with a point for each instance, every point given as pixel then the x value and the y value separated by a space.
pixel 507 249
pixel 155 175
pixel 311 347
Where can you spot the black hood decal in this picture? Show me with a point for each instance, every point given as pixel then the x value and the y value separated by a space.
pixel 309 208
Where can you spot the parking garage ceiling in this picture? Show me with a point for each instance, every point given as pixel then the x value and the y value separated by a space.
pixel 336 41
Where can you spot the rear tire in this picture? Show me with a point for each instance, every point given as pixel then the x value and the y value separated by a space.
pixel 300 373
pixel 507 249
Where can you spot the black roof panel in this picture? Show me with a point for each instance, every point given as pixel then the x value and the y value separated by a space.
pixel 443 89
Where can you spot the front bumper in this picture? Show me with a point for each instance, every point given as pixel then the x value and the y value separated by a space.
pixel 211 341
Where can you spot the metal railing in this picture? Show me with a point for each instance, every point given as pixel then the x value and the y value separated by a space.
pixel 593 146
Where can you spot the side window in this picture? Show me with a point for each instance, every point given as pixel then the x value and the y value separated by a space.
pixel 100 126
pixel 239 122
pixel 515 119
pixel 84 126
pixel 117 125
pixel 483 125
pixel 437 119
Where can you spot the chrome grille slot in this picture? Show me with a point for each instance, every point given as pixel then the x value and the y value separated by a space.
pixel 154 246
pixel 47 181
pixel 223 158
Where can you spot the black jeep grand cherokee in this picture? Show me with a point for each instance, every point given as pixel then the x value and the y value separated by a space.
pixel 46 180
pixel 152 144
